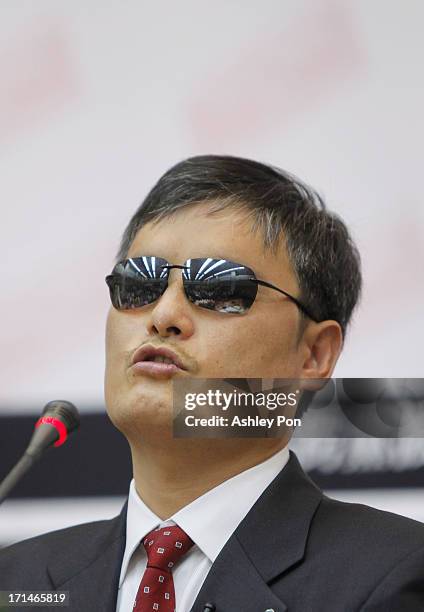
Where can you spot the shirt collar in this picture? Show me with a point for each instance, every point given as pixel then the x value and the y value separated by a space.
pixel 210 519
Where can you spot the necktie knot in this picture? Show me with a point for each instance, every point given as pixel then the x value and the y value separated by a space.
pixel 165 546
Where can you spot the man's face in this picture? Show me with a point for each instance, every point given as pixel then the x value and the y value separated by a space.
pixel 262 343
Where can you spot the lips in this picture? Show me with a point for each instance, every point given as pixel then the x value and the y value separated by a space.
pixel 143 362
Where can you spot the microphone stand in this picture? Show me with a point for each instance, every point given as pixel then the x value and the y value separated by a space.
pixel 21 468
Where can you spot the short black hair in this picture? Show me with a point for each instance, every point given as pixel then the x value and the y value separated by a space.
pixel 321 250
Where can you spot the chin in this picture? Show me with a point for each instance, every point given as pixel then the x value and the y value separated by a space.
pixel 141 413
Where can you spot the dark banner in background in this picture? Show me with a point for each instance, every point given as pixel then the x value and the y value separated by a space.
pixel 96 461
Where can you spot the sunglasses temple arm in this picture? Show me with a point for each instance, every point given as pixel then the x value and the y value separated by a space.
pixel 293 299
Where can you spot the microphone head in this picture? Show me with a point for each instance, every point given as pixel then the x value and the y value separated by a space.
pixel 58 420
pixel 63 411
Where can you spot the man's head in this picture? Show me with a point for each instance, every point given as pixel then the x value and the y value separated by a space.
pixel 257 216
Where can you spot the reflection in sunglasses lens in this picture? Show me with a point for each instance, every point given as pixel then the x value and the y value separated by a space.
pixel 222 295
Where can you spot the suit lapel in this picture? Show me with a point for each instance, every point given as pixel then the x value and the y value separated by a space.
pixel 270 540
pixel 91 570
pixel 233 583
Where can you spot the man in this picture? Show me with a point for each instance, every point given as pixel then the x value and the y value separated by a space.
pixel 225 525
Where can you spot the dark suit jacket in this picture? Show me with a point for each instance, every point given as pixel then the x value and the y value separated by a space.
pixel 296 550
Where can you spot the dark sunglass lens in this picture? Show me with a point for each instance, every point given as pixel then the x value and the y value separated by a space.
pixel 220 285
pixel 127 294
pixel 137 282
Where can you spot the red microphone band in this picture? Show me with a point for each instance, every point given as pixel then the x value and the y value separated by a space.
pixel 58 425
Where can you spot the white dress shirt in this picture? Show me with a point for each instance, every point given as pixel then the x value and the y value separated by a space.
pixel 209 520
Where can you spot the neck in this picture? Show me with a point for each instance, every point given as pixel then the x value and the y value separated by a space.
pixel 170 475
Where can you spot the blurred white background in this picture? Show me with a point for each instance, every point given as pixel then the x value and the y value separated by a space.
pixel 99 99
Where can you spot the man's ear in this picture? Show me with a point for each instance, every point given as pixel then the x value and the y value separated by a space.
pixel 323 344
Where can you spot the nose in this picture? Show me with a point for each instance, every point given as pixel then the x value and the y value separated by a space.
pixel 172 314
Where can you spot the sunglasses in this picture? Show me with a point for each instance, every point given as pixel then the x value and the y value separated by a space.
pixel 216 284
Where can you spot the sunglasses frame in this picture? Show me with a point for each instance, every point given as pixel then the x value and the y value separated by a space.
pixel 109 278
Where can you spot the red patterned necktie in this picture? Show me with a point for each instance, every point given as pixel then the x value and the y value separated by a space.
pixel 164 547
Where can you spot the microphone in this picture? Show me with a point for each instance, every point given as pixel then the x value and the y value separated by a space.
pixel 209 607
pixel 59 418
